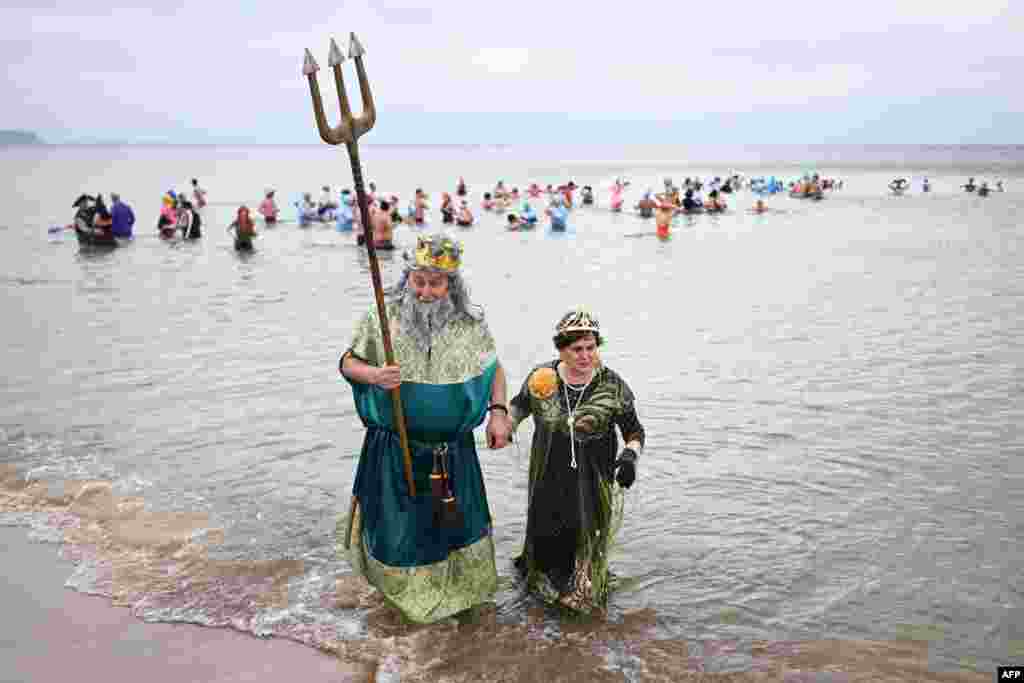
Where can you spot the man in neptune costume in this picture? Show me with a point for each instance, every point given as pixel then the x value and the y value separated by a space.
pixel 432 555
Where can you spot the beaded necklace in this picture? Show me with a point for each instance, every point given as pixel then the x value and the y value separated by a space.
pixel 571 420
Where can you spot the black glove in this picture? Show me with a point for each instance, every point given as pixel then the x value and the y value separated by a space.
pixel 625 468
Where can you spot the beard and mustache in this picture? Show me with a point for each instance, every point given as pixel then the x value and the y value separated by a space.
pixel 420 320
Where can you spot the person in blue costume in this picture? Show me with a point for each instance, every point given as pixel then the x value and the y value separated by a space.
pixel 528 215
pixel 558 214
pixel 429 559
pixel 123 217
pixel 346 212
pixel 306 209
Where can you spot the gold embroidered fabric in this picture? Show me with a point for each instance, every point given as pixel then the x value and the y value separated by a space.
pixel 428 593
pixel 459 352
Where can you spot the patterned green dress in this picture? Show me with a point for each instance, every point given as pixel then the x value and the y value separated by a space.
pixel 573 512
pixel 427 570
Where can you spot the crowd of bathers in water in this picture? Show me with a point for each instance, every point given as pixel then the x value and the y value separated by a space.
pixel 180 211
pixel 899 186
pixel 982 189
pixel 693 195
pixel 97 225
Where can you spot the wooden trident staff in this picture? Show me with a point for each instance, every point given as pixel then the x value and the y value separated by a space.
pixel 349 131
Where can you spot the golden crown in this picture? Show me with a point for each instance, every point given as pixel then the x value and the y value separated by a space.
pixel 438 253
pixel 578 320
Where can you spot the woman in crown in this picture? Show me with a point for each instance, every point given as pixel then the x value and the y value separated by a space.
pixel 577 472
pixel 431 556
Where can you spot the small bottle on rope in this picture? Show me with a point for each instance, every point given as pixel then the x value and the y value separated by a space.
pixel 437 478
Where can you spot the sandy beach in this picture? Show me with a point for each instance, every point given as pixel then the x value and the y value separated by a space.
pixel 52 635
pixel 60 635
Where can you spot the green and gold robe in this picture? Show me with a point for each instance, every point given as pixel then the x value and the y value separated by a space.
pixel 426 570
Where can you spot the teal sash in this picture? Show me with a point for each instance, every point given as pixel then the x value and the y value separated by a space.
pixel 400 531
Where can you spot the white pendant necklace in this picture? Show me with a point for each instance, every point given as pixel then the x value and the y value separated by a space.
pixel 571 420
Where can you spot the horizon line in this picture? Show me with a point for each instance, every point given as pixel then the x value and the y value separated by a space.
pixel 116 143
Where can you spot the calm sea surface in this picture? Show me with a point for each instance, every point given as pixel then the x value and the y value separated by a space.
pixel 832 391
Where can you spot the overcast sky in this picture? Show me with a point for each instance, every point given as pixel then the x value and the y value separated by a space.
pixel 829 71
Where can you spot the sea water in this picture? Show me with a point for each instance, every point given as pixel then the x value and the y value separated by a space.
pixel 831 393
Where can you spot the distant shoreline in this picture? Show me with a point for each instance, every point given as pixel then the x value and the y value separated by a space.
pixel 502 145
pixel 19 137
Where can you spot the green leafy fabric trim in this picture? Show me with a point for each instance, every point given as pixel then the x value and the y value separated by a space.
pixel 591 584
pixel 464 349
pixel 426 594
pixel 607 397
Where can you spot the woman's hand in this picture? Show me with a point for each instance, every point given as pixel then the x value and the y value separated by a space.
pixel 499 429
pixel 387 377
pixel 625 468
pixel 586 424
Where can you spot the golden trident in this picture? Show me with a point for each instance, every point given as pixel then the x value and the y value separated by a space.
pixel 349 131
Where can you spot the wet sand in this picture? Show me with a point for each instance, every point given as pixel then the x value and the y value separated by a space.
pixel 47 634
pixel 130 554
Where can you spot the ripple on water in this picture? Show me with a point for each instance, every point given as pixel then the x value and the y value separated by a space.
pixel 826 408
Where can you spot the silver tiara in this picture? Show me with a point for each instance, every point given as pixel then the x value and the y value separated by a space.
pixel 578 320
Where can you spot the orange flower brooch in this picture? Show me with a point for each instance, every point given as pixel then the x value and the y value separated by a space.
pixel 543 383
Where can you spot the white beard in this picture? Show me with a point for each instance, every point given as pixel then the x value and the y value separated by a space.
pixel 421 321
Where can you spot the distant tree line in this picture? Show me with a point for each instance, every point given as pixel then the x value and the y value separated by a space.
pixel 19 137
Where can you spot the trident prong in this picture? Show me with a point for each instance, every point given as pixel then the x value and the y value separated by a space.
pixel 351 127
pixel 335 56
pixel 334 59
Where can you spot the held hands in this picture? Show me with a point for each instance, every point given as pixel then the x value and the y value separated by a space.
pixel 625 468
pixel 387 377
pixel 499 429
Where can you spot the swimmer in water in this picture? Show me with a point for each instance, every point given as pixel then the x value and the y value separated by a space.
pixel 422 206
pixel 691 205
pixel 898 185
pixel 617 198
pixel 647 205
pixel 528 215
pixel 664 211
pixel 447 208
pixel 465 217
pixel 715 203
pixel 558 214
pixel 587 195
